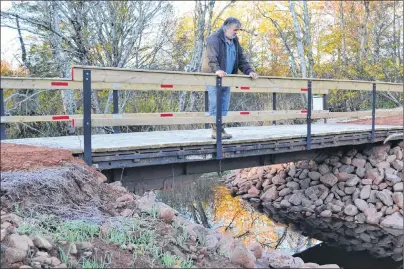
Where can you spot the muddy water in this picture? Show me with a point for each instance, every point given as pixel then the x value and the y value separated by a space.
pixel 209 203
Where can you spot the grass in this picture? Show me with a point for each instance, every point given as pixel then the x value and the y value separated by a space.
pixel 140 233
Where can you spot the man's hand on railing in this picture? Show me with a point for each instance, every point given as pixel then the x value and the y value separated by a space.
pixel 253 75
pixel 220 73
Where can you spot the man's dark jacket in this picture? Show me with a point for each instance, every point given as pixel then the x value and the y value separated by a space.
pixel 214 56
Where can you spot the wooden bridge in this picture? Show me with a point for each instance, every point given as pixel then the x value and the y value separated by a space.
pixel 185 152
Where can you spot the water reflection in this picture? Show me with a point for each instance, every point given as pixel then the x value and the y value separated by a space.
pixel 350 236
pixel 209 203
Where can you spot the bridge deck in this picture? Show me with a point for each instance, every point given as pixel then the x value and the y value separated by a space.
pixel 200 137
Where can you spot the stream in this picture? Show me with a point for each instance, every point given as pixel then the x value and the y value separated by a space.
pixel 208 202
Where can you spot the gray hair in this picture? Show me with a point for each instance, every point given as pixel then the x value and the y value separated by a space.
pixel 230 21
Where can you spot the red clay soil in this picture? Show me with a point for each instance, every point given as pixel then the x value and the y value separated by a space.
pixel 390 120
pixel 23 157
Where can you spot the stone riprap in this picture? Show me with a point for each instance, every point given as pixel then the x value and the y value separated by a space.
pixel 359 185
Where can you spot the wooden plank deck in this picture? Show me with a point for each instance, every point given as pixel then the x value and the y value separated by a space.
pixel 161 139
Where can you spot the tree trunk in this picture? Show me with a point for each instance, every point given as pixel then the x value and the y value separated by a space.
pixel 61 59
pixel 308 43
pixel 196 60
pixel 364 33
pixel 299 37
pixel 342 26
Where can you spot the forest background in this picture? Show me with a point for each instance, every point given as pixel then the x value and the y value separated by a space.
pixel 355 40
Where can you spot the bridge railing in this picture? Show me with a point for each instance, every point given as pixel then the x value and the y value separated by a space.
pixel 86 78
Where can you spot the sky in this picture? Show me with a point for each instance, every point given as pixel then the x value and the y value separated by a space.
pixel 9 37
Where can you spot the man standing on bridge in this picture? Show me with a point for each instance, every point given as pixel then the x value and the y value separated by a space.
pixel 224 55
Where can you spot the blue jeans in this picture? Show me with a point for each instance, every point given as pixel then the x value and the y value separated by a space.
pixel 212 100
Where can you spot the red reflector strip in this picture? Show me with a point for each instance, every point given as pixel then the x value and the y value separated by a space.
pixel 59 83
pixel 303 111
pixel 73 123
pixel 244 113
pixel 304 89
pixel 244 88
pixel 166 115
pixel 167 86
pixel 60 117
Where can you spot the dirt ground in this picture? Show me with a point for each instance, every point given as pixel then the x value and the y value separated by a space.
pixel 39 182
pixel 390 120
pixel 23 157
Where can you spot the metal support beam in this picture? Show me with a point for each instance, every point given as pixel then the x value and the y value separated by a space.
pixel 373 111
pixel 116 108
pixel 219 118
pixel 206 94
pixel 274 105
pixel 309 99
pixel 87 115
pixel 325 105
pixel 2 125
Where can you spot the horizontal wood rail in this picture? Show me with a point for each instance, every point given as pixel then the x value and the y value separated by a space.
pixel 128 79
pixel 171 118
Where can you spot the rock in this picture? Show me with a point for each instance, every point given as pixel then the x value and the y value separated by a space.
pixel 360 163
pixel 285 191
pixel 392 178
pixel 361 218
pixel 347 169
pixel 385 197
pixel 13 255
pixel 314 175
pixel 311 265
pixel 278 180
pixel 335 208
pixel 329 179
pixel 69 248
pixel 329 198
pixel 285 203
pixel 270 195
pixel 393 221
pixel 60 266
pixel 367 181
pixel 398 199
pixel 12 218
pixel 42 243
pixel 344 176
pixel 225 244
pixel 211 242
pixel 351 210
pixel 382 185
pixel 349 190
pixel 365 192
pixel 305 183
pixel 372 174
pixel 296 198
pixel 124 198
pixel 240 255
pixel 25 267
pixel 253 192
pixel 84 246
pixel 318 202
pixel 346 160
pixel 372 216
pixel 293 185
pixel 167 215
pixel 3 234
pixel 360 172
pixel 256 249
pixel 361 204
pixel 352 182
pixel 390 211
pixel 326 214
pixel 22 242
pixel 324 169
pixel 398 186
pixel 382 165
